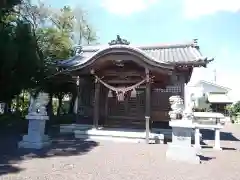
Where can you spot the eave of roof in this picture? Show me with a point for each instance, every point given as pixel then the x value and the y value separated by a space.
pixel 219 98
pixel 213 84
pixel 166 55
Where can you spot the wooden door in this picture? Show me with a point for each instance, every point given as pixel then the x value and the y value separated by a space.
pixel 127 113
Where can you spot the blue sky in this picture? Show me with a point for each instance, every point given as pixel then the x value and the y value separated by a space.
pixel 216 23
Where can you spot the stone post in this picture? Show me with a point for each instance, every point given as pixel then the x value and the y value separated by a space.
pixel 217 139
pixel 37 117
pixel 147 118
pixel 197 135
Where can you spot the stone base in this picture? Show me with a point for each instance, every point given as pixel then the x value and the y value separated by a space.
pixel 37 117
pixel 38 143
pixel 197 147
pixel 182 153
pixel 118 135
pixel 217 148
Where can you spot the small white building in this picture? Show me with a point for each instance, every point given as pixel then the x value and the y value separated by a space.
pixel 217 96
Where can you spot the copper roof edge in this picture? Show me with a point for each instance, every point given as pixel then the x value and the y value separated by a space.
pixel 144 47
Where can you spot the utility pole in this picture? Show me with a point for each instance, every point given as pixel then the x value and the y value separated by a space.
pixel 215 76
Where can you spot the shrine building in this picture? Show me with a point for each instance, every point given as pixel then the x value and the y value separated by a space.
pixel 120 84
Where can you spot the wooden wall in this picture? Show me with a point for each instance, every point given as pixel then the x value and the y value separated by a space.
pixel 160 106
pixel 132 109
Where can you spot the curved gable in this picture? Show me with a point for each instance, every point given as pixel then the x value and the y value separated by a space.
pixel 126 50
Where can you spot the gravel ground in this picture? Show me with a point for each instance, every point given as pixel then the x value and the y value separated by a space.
pixel 72 159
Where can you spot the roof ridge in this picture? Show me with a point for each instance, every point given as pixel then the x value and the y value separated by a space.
pixel 93 48
pixel 164 46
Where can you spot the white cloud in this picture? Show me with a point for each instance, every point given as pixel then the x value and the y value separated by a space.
pixel 126 7
pixel 198 8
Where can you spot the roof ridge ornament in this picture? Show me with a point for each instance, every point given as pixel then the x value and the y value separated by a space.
pixel 119 40
pixel 195 43
pixel 77 50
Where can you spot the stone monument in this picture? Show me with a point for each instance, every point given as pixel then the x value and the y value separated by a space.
pixel 37 117
pixel 180 148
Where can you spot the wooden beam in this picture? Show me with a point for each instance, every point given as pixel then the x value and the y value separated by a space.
pixel 118 81
pixel 129 73
pixel 96 104
pixel 148 104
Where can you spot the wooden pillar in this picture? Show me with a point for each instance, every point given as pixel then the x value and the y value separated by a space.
pixel 106 108
pixel 96 104
pixel 76 107
pixel 148 105
pixel 182 86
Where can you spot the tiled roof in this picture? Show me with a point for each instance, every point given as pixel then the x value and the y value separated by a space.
pixel 177 54
pixel 181 54
pixel 202 82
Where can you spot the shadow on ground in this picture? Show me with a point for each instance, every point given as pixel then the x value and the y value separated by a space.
pixel 206 146
pixel 208 134
pixel 205 158
pixel 62 145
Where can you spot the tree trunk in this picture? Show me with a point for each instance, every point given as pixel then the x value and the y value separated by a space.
pixel 49 106
pixel 17 103
pixel 7 107
pixel 72 103
pixel 59 104
pixel 23 101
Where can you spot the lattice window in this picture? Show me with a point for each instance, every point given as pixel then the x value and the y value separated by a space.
pixel 170 89
pixel 160 101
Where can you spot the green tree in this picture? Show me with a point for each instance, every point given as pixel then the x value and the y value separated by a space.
pixel 233 109
pixel 84 32
pixel 20 62
pixel 33 37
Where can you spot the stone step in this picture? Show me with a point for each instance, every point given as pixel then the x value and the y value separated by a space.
pixel 70 128
pixel 119 135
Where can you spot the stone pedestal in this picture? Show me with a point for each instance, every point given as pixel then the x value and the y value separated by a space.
pixel 181 149
pixel 35 139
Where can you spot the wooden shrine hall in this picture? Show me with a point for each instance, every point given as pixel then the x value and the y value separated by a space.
pixel 119 84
